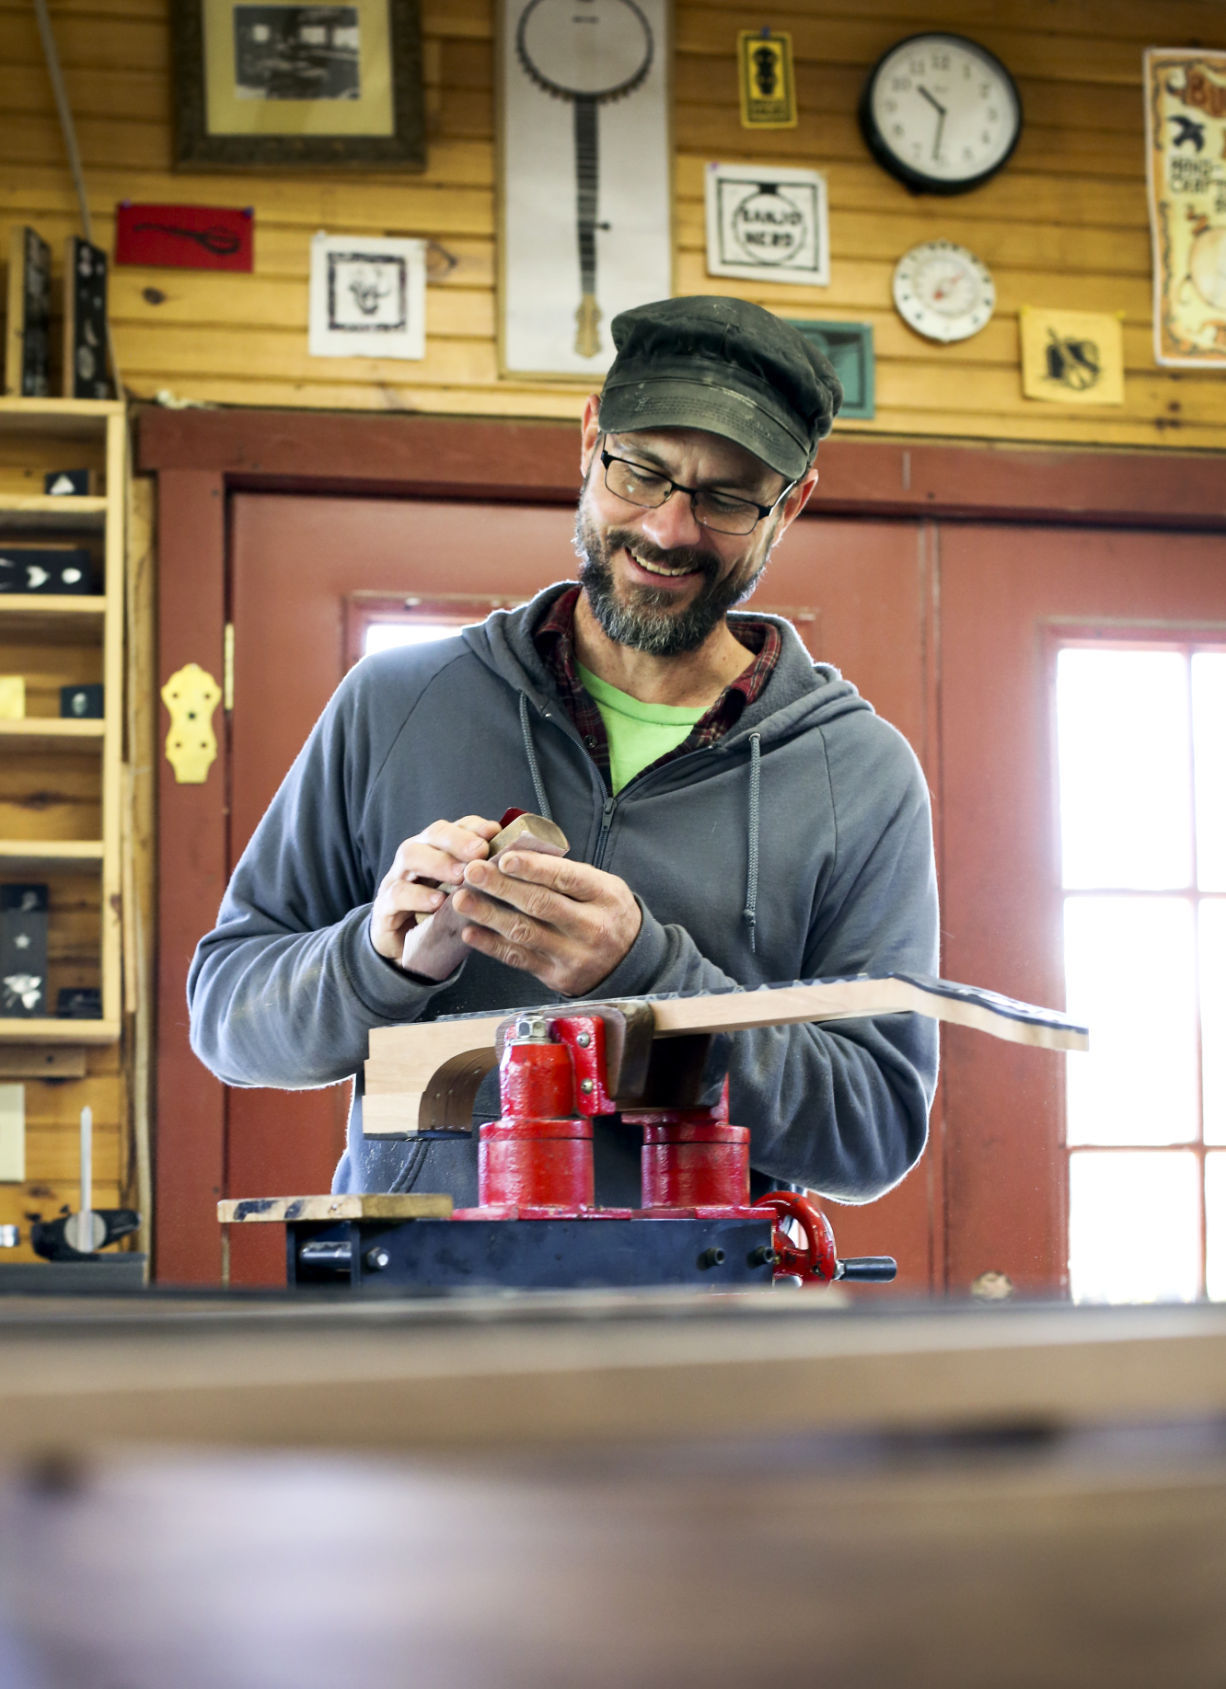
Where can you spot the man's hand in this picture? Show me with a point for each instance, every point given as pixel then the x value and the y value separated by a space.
pixel 412 888
pixel 566 922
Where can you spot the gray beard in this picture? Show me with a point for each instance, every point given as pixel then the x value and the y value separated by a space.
pixel 649 622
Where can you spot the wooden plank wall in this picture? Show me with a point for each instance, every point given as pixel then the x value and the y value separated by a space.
pixel 1064 225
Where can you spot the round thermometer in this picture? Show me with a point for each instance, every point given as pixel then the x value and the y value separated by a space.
pixel 943 291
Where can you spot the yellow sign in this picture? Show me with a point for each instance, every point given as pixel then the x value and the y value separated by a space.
pixel 1072 357
pixel 768 87
pixel 12 697
pixel 1185 125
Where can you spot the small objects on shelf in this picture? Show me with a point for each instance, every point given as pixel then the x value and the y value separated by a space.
pixel 86 374
pixel 69 483
pixel 79 1002
pixel 82 703
pixel 23 950
pixel 27 367
pixel 50 569
pixel 12 697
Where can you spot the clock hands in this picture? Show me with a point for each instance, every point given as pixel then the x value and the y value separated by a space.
pixel 940 110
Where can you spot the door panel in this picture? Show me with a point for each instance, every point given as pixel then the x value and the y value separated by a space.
pixel 1002 589
pixel 857 590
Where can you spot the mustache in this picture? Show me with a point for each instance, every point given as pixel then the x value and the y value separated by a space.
pixel 681 557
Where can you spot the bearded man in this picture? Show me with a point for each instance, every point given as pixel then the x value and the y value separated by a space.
pixel 737 814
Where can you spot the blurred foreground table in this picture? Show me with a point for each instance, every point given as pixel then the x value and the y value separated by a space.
pixel 609 1490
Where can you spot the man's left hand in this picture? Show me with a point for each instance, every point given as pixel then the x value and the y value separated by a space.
pixel 566 922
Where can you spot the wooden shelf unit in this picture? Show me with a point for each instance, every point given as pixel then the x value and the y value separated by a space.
pixel 66 633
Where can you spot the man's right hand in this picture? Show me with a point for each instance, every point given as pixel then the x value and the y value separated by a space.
pixel 411 889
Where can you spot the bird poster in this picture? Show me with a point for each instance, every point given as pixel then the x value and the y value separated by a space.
pixel 1072 357
pixel 1185 127
pixel 585 177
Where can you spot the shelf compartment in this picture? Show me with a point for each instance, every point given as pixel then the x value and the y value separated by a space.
pixel 56 617
pixel 52 733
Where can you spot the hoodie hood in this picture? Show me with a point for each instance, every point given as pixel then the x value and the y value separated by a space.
pixel 800 694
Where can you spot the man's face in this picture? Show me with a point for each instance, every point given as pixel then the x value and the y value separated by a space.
pixel 655 579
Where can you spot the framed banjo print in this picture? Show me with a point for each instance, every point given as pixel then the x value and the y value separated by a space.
pixel 584 178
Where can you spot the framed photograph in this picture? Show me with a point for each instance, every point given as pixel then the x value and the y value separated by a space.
pixel 767 223
pixel 368 297
pixel 584 176
pixel 265 84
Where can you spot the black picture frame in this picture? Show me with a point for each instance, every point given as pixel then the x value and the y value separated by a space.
pixel 197 147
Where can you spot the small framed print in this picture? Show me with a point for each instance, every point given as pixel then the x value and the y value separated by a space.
pixel 767 223
pixel 368 297
pixel 260 83
pixel 849 346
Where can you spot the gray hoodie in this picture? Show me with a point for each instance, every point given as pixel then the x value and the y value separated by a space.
pixel 796 847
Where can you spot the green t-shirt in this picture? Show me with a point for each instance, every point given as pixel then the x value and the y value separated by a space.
pixel 638 732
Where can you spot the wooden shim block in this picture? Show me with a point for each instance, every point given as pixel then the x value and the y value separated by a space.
pixel 420 1077
pixel 56 1061
pixel 529 832
pixel 351 1206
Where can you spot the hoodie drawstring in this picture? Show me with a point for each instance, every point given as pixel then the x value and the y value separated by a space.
pixel 751 872
pixel 538 786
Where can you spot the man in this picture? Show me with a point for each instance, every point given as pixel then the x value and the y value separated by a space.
pixel 737 814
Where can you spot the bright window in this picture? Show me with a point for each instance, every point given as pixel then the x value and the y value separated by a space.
pixel 1141 752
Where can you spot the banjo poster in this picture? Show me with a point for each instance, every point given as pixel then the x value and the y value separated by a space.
pixel 584 174
pixel 1185 123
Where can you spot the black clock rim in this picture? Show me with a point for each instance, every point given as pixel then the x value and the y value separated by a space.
pixel 917 181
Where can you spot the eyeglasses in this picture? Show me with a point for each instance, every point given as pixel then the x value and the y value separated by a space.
pixel 649 489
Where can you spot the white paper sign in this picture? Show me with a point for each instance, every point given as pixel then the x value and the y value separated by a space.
pixel 767 223
pixel 368 297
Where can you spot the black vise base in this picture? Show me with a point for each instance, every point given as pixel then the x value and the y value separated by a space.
pixel 421 1257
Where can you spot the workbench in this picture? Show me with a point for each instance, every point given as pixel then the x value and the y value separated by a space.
pixel 609 1490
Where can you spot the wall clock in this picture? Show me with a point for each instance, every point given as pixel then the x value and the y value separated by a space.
pixel 941 113
pixel 943 291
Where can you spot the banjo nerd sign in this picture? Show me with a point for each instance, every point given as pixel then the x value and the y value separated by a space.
pixel 767 223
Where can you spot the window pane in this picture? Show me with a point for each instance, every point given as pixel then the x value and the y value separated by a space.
pixel 383 636
pixel 1213 1015
pixel 1134 1226
pixel 1209 731
pixel 1129 969
pixel 1215 1227
pixel 1124 755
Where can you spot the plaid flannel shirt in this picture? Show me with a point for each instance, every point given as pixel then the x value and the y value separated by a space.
pixel 554 640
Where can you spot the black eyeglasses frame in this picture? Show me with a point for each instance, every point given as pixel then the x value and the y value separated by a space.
pixel 763 510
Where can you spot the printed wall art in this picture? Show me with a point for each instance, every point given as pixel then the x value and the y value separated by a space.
pixel 584 177
pixel 1185 122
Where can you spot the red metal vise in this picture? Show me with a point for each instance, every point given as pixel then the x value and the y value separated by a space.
pixel 535 1163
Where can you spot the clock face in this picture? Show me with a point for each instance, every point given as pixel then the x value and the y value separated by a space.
pixel 943 291
pixel 941 113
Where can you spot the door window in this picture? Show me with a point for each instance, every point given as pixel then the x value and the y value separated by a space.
pixel 1141 757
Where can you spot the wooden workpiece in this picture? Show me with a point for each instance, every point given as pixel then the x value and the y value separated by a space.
pixel 424 1076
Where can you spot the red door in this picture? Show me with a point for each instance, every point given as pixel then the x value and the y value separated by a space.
pixel 1002 591
pixel 858 592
